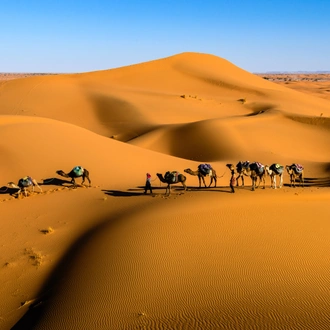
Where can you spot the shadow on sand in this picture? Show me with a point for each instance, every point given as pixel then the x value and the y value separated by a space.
pixel 156 191
pixel 316 182
pixel 54 182
pixel 138 191
pixel 312 182
pixel 6 190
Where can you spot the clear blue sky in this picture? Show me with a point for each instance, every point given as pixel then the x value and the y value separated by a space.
pixel 80 36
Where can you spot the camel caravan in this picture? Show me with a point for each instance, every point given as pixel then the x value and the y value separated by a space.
pixel 258 170
pixel 27 181
pixel 255 171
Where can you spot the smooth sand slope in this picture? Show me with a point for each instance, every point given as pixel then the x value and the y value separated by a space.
pixel 110 257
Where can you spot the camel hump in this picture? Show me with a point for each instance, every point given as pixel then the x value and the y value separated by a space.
pixel 26 181
pixel 78 170
pixel 299 168
pixel 172 176
pixel 277 168
pixel 258 167
pixel 205 168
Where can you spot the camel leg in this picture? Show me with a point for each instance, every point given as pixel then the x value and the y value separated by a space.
pixel 274 179
pixel 203 179
pixel 211 181
pixel 73 181
pixel 215 180
pixel 253 183
pixel 257 184
pixel 19 193
pixel 84 177
pixel 281 181
pixel 199 181
pixel 35 183
pixel 168 190
pixel 184 186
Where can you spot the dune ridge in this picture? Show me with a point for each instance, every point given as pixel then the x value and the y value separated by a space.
pixel 109 256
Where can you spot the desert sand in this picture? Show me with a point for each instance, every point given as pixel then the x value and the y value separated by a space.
pixel 109 256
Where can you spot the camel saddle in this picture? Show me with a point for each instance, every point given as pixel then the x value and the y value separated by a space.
pixel 299 168
pixel 258 167
pixel 205 168
pixel 241 165
pixel 78 171
pixel 172 176
pixel 277 168
pixel 26 181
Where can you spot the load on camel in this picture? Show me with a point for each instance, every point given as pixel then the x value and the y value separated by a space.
pixel 23 184
pixel 241 168
pixel 172 178
pixel 76 172
pixel 257 170
pixel 204 170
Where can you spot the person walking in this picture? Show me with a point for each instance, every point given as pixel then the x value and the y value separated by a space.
pixel 232 182
pixel 148 184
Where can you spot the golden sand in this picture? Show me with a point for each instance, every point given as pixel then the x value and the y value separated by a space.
pixel 109 256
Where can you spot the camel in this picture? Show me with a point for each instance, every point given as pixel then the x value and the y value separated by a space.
pixel 274 170
pixel 172 178
pixel 23 184
pixel 295 171
pixel 256 170
pixel 241 168
pixel 76 172
pixel 203 173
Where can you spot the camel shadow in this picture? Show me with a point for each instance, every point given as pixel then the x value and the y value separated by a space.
pixel 138 191
pixel 6 190
pixel 316 182
pixel 222 189
pixel 312 182
pixel 120 193
pixel 54 182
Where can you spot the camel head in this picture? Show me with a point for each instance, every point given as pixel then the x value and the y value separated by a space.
pixel 288 169
pixel 241 166
pixel 188 170
pixel 13 185
pixel 230 166
pixel 62 173
pixel 267 170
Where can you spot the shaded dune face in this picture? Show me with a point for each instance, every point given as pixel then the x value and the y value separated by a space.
pixel 194 266
pixel 122 119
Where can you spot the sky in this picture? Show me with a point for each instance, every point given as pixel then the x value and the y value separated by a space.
pixel 67 36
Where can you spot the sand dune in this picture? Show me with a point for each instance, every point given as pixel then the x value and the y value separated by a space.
pixel 110 257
